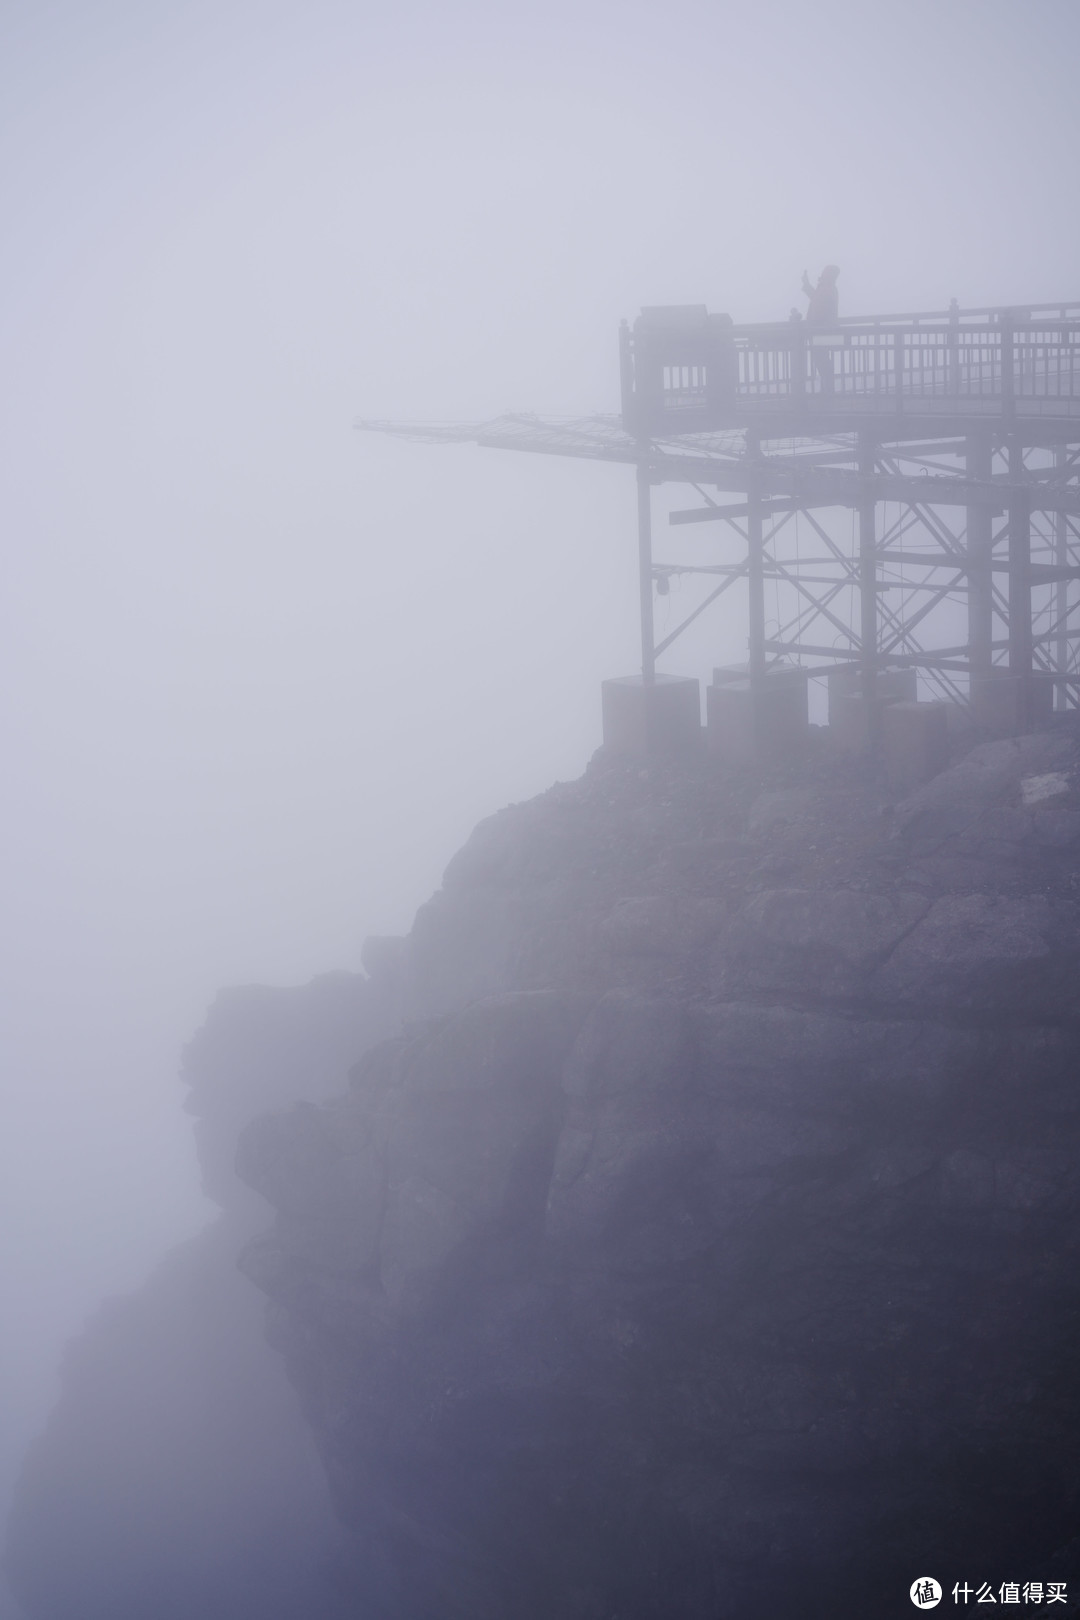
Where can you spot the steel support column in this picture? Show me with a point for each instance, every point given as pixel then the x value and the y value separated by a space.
pixel 645 578
pixel 979 459
pixel 868 572
pixel 755 562
pixel 1061 592
pixel 1020 629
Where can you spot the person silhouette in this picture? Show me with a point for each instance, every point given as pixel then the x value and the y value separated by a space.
pixel 824 299
pixel 823 311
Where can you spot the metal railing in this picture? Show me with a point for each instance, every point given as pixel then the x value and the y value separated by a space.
pixel 1009 356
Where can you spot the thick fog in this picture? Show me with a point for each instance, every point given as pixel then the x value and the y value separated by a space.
pixel 262 673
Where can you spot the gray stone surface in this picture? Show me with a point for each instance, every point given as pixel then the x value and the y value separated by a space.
pixel 798 1270
pixel 726 1257
pixel 811 940
pixel 704 1242
pixel 985 951
pixel 988 776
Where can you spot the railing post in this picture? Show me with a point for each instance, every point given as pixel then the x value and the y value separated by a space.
pixel 798 361
pixel 1008 367
pixel 645 580
pixel 898 366
pixel 954 347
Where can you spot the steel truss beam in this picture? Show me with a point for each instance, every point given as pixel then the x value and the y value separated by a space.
pixel 934 542
pixel 925 514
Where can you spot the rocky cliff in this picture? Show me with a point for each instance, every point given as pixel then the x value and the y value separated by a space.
pixel 695 1236
pixel 707 1244
pixel 176 1479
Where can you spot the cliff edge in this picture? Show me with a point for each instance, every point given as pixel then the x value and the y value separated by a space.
pixel 707 1244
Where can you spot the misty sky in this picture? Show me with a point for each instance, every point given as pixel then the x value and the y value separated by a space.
pixel 262 674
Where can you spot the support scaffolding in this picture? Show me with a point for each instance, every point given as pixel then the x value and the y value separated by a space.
pixel 934 458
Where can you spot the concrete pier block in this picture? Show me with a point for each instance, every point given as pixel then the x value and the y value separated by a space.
pixel 914 743
pixel 854 722
pixel 729 722
pixel 1006 705
pixel 743 726
pixel 891 686
pixel 664 718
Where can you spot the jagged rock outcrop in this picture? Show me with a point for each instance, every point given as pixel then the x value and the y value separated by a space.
pixel 707 1245
pixel 176 1479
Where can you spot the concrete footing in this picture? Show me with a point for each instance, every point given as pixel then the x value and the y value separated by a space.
pixel 854 719
pixel 1007 705
pixel 663 718
pixel 855 722
pixel 743 725
pixel 914 743
pixel 891 686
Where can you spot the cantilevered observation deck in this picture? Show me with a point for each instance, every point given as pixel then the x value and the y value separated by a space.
pixel 906 486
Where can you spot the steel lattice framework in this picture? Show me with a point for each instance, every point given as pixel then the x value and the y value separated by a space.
pixel 910 485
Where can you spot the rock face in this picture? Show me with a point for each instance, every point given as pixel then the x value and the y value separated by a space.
pixel 177 1479
pixel 683 1222
pixel 707 1245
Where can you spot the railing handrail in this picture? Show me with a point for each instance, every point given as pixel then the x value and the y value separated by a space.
pixel 1029 310
pixel 992 318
